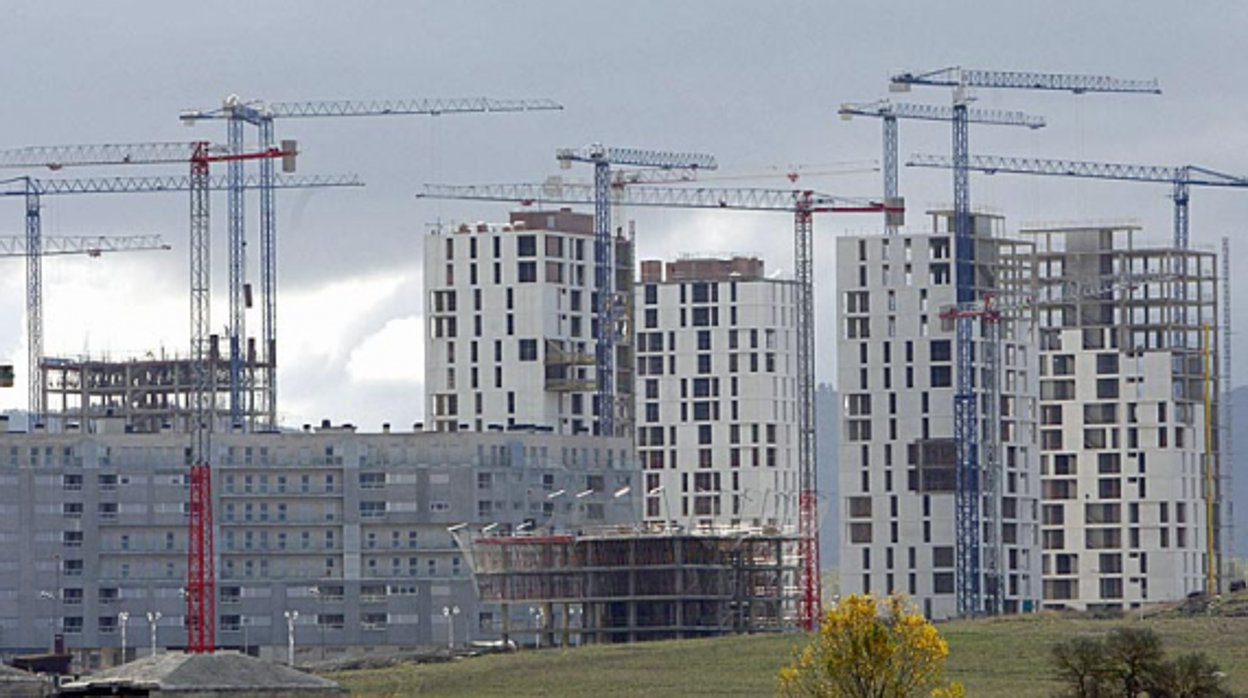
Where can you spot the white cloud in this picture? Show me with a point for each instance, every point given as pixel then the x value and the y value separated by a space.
pixel 396 354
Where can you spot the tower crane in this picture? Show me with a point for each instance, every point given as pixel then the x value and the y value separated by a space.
pixel 678 165
pixel 1180 178
pixel 200 588
pixel 967 495
pixel 90 245
pixel 32 190
pixel 802 205
pixel 889 112
pixel 238 113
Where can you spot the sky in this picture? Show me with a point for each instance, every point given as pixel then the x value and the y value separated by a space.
pixel 756 84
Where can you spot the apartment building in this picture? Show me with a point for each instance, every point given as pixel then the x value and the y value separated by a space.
pixel 896 358
pixel 511 325
pixel 717 393
pixel 1129 396
pixel 347 532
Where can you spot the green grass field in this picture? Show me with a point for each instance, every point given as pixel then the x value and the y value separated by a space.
pixel 1002 657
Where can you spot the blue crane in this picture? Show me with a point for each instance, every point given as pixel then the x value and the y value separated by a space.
pixel 968 496
pixel 889 112
pixel 608 305
pixel 92 246
pixel 33 189
pixel 802 204
pixel 1180 178
pixel 239 113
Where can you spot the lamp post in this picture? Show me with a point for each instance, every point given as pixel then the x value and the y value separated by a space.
pixel 320 618
pixel 291 617
pixel 580 506
pixel 123 618
pixel 56 618
pixel 153 617
pixel 576 620
pixel 623 491
pixel 49 596
pixel 554 507
pixel 539 617
pixel 667 507
pixel 449 612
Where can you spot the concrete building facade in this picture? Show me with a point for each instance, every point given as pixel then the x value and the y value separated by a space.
pixel 511 324
pixel 896 359
pixel 348 530
pixel 1128 515
pixel 717 393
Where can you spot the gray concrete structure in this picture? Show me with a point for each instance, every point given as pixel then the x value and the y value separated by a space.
pixel 1128 515
pixel 349 530
pixel 717 393
pixel 896 358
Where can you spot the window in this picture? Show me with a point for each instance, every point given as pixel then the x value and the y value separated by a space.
pixel 527 272
pixel 526 245
pixel 528 350
pixel 1107 364
pixel 860 533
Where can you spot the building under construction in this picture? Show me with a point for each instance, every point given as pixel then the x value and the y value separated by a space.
pixel 617 587
pixel 1129 432
pixel 151 394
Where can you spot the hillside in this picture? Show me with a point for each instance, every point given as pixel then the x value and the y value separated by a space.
pixel 1003 657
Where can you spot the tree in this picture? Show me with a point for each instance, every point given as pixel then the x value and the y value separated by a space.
pixel 1080 665
pixel 1133 656
pixel 1188 676
pixel 870 649
pixel 1130 662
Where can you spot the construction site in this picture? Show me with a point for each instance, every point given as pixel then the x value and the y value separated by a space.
pixel 614 452
pixel 621 586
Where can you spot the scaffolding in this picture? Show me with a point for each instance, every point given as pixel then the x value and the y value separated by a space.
pixel 147 395
pixel 1136 300
pixel 621 587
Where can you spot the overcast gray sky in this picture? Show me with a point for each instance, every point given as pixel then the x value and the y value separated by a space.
pixel 755 83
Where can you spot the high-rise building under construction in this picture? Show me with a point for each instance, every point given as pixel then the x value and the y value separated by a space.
pixel 896 351
pixel 1129 396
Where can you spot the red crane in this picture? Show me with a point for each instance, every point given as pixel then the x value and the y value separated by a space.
pixel 803 204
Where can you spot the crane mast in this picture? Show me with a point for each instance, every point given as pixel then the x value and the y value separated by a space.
pixel 968 495
pixel 1180 178
pixel 802 205
pixel 889 112
pixel 608 305
pixel 60 156
pixel 239 113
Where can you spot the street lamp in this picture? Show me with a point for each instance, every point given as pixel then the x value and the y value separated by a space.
pixel 539 617
pixel 449 612
pixel 320 618
pixel 153 617
pixel 49 596
pixel 122 619
pixel 291 617
pixel 622 492
pixel 667 506
pixel 554 507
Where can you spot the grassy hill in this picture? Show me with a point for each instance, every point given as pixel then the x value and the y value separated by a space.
pixel 997 657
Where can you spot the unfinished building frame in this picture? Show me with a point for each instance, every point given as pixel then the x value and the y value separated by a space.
pixel 628 587
pixel 149 395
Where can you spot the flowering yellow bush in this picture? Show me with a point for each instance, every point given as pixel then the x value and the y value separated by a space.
pixel 867 648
